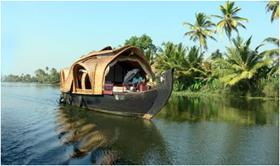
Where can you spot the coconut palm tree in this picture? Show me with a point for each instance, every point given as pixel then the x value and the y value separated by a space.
pixel 273 7
pixel 171 56
pixel 242 63
pixel 201 29
pixel 187 63
pixel 273 54
pixel 194 59
pixel 229 21
pixel 275 42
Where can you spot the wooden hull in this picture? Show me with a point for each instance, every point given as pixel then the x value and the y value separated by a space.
pixel 127 104
pixel 141 104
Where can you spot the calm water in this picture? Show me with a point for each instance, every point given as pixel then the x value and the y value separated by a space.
pixel 36 130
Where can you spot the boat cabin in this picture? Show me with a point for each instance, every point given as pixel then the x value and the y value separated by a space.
pixel 108 71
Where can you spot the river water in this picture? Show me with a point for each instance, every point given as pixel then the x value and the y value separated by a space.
pixel 36 130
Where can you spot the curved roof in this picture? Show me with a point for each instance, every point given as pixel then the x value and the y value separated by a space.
pixel 96 62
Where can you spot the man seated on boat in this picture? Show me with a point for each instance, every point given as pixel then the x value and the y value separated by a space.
pixel 134 78
pixel 137 79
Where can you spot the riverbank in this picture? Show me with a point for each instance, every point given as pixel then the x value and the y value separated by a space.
pixel 219 95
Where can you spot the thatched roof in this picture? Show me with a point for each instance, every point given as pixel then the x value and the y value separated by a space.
pixel 97 62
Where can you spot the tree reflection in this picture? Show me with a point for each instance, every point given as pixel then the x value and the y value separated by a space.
pixel 235 110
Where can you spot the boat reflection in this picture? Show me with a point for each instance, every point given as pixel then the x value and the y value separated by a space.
pixel 107 139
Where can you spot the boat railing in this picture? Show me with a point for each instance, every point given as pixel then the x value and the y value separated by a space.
pixel 110 88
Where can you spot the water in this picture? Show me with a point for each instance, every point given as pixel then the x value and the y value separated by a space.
pixel 36 130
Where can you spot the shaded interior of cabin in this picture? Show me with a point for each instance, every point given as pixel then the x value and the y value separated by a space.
pixel 118 72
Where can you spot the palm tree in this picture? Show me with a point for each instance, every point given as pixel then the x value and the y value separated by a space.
pixel 242 63
pixel 171 56
pixel 200 30
pixel 186 62
pixel 273 54
pixel 229 20
pixel 273 6
pixel 275 42
pixel 194 60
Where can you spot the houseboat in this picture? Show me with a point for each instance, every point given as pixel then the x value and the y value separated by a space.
pixel 117 81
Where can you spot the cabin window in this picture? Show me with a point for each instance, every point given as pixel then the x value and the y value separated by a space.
pixel 87 82
pixel 79 79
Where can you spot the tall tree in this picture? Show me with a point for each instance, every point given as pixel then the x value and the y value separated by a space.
pixel 201 29
pixel 273 7
pixel 41 75
pixel 145 43
pixel 54 76
pixel 229 21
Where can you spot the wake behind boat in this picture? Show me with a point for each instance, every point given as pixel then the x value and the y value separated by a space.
pixel 116 81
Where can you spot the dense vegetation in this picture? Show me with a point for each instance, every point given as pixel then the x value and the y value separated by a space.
pixel 41 76
pixel 241 70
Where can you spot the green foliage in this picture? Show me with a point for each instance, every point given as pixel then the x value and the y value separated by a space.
pixel 171 56
pixel 187 63
pixel 197 85
pixel 229 21
pixel 44 77
pixel 216 55
pixel 16 78
pixel 238 71
pixel 242 63
pixel 274 55
pixel 145 43
pixel 201 29
pixel 215 84
pixel 41 76
pixel 273 7
pixel 53 76
pixel 178 85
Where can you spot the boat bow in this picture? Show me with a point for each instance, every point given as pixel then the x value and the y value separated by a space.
pixel 164 92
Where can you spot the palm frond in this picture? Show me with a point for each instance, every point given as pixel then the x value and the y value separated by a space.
pixel 272 40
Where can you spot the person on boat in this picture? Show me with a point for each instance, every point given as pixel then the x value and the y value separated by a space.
pixel 137 79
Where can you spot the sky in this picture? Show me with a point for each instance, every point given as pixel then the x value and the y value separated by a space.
pixel 54 34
